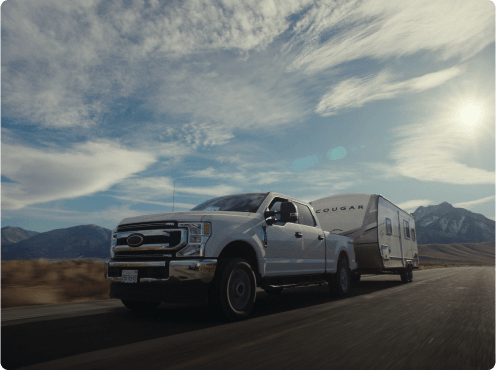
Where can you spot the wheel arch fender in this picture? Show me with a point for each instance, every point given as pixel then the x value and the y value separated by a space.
pixel 242 249
pixel 343 253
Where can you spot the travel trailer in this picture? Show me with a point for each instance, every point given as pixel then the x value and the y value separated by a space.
pixel 383 234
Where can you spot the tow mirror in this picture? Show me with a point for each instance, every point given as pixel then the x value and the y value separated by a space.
pixel 288 212
pixel 268 214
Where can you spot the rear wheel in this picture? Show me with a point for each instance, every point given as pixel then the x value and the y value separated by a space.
pixel 339 284
pixel 140 306
pixel 236 289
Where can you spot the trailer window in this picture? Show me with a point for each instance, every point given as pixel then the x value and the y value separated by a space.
pixel 406 226
pixel 413 234
pixel 389 227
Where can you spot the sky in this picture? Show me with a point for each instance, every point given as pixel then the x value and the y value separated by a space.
pixel 113 109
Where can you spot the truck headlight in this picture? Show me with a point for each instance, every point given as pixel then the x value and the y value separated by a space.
pixel 113 242
pixel 198 234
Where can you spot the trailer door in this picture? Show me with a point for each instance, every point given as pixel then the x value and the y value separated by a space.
pixel 400 238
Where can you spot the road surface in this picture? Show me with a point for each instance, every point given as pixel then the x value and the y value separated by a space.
pixel 444 319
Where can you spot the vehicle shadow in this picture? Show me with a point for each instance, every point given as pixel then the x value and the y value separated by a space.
pixel 35 342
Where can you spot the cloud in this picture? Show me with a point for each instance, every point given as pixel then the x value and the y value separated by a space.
pixel 430 152
pixel 232 94
pixel 412 205
pixel 472 203
pixel 186 206
pixel 356 92
pixel 160 187
pixel 331 33
pixel 45 175
pixel 68 64
pixel 200 134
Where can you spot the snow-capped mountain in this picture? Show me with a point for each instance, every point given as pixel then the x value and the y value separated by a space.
pixel 446 224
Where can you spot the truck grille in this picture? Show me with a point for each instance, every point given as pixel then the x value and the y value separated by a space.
pixel 159 240
pixel 173 240
pixel 147 226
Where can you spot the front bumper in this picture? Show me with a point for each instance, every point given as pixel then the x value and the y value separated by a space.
pixel 162 281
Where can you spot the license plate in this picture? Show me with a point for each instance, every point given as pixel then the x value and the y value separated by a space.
pixel 129 276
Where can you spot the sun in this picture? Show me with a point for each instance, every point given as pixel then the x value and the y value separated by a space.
pixel 470 113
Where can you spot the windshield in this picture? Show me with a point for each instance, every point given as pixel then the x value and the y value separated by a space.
pixel 235 203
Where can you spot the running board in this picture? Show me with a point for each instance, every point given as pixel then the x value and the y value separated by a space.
pixel 298 284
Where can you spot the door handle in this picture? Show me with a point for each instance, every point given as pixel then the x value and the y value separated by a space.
pixel 298 234
pixel 321 237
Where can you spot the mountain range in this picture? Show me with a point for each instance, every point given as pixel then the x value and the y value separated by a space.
pixel 12 235
pixel 445 224
pixel 83 241
pixel 443 233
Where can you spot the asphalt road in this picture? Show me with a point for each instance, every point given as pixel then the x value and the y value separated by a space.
pixel 444 319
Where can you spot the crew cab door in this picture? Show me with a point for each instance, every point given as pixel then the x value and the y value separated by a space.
pixel 283 254
pixel 313 249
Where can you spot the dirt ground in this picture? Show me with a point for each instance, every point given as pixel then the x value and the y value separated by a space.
pixel 41 282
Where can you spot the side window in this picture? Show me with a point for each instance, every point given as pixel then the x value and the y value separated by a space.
pixel 305 215
pixel 413 234
pixel 389 227
pixel 406 227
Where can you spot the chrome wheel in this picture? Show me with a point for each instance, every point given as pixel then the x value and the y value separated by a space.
pixel 339 283
pixel 343 279
pixel 236 288
pixel 239 289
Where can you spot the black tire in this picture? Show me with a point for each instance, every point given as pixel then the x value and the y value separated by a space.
pixel 140 306
pixel 407 274
pixel 339 285
pixel 355 278
pixel 274 290
pixel 236 289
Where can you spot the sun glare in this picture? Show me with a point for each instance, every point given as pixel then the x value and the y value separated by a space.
pixel 470 114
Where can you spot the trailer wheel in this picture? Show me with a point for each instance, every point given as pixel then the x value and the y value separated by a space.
pixel 410 275
pixel 237 289
pixel 339 284
pixel 404 275
pixel 273 290
pixel 140 306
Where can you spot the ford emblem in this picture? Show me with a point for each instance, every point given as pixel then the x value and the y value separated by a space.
pixel 134 240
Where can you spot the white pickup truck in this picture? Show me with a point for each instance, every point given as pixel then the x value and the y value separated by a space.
pixel 222 250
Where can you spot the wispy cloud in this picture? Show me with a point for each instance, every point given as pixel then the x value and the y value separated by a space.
pixel 45 175
pixel 356 92
pixel 431 151
pixel 472 203
pixel 166 204
pixel 160 187
pixel 71 62
pixel 412 205
pixel 332 33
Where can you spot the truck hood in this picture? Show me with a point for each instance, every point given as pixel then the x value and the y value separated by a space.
pixel 195 216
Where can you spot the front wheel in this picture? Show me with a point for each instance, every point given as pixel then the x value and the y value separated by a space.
pixel 140 306
pixel 340 282
pixel 237 289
